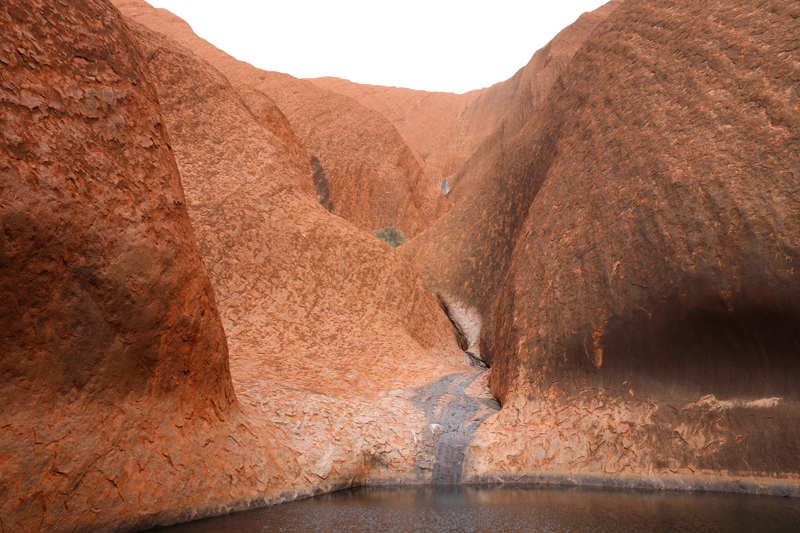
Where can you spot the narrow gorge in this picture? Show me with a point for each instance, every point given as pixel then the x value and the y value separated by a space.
pixel 600 286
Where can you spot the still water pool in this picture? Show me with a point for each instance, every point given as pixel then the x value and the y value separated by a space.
pixel 513 509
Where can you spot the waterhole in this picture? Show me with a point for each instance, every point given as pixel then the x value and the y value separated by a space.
pixel 498 509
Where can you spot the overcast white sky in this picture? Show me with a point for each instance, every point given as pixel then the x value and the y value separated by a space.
pixel 434 45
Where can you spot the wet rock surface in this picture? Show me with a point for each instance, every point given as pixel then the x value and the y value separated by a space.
pixel 321 184
pixel 453 417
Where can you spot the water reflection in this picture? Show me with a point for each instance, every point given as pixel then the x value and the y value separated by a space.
pixel 513 509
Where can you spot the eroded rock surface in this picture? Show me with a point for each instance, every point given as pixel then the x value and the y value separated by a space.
pixel 627 266
pixel 434 124
pixel 373 176
pixel 464 256
pixel 450 131
pixel 455 406
pixel 119 409
pixel 115 388
pixel 331 333
pixel 648 317
pixel 531 85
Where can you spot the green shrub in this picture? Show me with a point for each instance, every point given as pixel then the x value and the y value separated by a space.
pixel 391 235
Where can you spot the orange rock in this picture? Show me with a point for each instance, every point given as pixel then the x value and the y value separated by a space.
pixel 294 282
pixel 527 89
pixel 627 265
pixel 116 388
pixel 448 130
pixel 464 256
pixel 118 404
pixel 332 334
pixel 432 124
pixel 649 308
pixel 373 177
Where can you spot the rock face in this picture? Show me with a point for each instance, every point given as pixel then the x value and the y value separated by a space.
pixel 457 136
pixel 115 383
pixel 311 305
pixel 119 409
pixel 373 177
pixel 433 124
pixel 464 256
pixel 651 212
pixel 528 89
pixel 333 337
pixel 626 265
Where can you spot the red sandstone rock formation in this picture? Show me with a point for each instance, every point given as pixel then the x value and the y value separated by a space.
pixel 117 403
pixel 646 223
pixel 628 262
pixel 373 177
pixel 432 124
pixel 315 310
pixel 529 87
pixel 463 258
pixel 448 130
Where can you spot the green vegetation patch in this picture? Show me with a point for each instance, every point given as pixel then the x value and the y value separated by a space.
pixel 391 235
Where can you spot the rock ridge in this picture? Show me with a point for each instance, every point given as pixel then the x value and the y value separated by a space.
pixel 374 177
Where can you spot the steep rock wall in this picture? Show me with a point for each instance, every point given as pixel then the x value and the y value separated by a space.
pixel 653 279
pixel 464 256
pixel 532 85
pixel 116 403
pixel 119 409
pixel 332 335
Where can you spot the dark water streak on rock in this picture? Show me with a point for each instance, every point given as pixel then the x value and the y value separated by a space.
pixel 454 417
